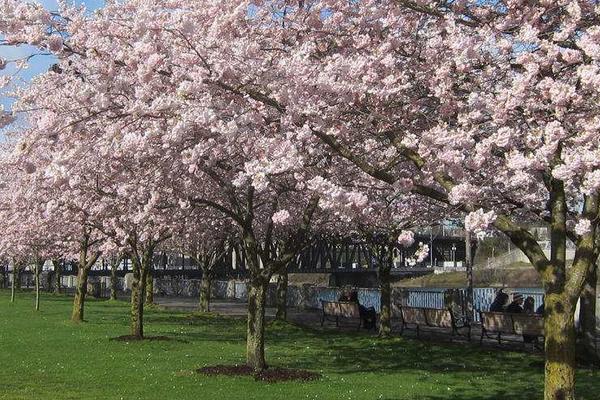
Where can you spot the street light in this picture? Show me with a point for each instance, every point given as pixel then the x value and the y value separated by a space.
pixel 431 246
pixel 454 254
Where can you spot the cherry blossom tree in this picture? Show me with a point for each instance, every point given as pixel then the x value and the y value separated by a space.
pixel 482 106
pixel 57 202
pixel 213 151
pixel 272 214
pixel 88 162
pixel 485 107
pixel 476 105
pixel 29 238
pixel 489 107
pixel 180 116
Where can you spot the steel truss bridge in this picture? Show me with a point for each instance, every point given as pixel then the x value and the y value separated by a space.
pixel 337 256
pixel 321 256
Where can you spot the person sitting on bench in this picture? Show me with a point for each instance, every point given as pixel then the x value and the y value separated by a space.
pixel 516 307
pixel 529 308
pixel 368 315
pixel 499 302
pixel 540 309
pixel 529 305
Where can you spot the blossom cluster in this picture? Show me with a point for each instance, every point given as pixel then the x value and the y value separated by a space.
pixel 479 221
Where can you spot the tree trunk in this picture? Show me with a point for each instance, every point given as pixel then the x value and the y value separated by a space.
pixel 57 276
pixel 149 288
pixel 281 298
pixel 205 287
pixel 559 327
pixel 14 284
pixel 80 293
pixel 385 316
pixel 113 281
pixel 50 282
pixel 18 280
pixel 141 269
pixel 255 341
pixel 37 286
pixel 138 289
pixel 587 349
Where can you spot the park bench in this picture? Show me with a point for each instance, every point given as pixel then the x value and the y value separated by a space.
pixel 499 323
pixel 334 310
pixel 418 318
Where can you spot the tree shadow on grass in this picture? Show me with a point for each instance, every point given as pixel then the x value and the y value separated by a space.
pixel 518 393
pixel 509 390
pixel 496 373
pixel 349 356
pixel 351 352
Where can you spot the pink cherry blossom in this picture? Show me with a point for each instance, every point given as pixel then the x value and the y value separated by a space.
pixel 583 226
pixel 406 238
pixel 280 217
pixel 479 221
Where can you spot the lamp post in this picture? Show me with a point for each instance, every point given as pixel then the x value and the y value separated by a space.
pixel 469 270
pixel 431 247
pixel 454 254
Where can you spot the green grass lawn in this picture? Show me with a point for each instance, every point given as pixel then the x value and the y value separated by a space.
pixel 44 356
pixel 516 275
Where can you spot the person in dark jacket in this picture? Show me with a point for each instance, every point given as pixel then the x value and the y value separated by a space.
pixel 540 309
pixel 516 307
pixel 369 316
pixel 528 306
pixel 499 302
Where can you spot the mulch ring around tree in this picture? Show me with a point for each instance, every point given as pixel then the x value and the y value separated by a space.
pixel 132 338
pixel 270 375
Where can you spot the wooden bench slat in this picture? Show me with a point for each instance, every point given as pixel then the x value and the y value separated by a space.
pixel 431 317
pixel 413 316
pixel 532 325
pixel 438 318
pixel 499 323
pixel 340 309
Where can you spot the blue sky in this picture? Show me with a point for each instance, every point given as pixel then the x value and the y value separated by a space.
pixel 37 64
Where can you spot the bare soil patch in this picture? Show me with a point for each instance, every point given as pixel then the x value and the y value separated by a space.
pixel 269 375
pixel 131 338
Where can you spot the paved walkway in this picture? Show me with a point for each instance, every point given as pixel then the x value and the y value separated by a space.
pixel 232 308
pixel 238 309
